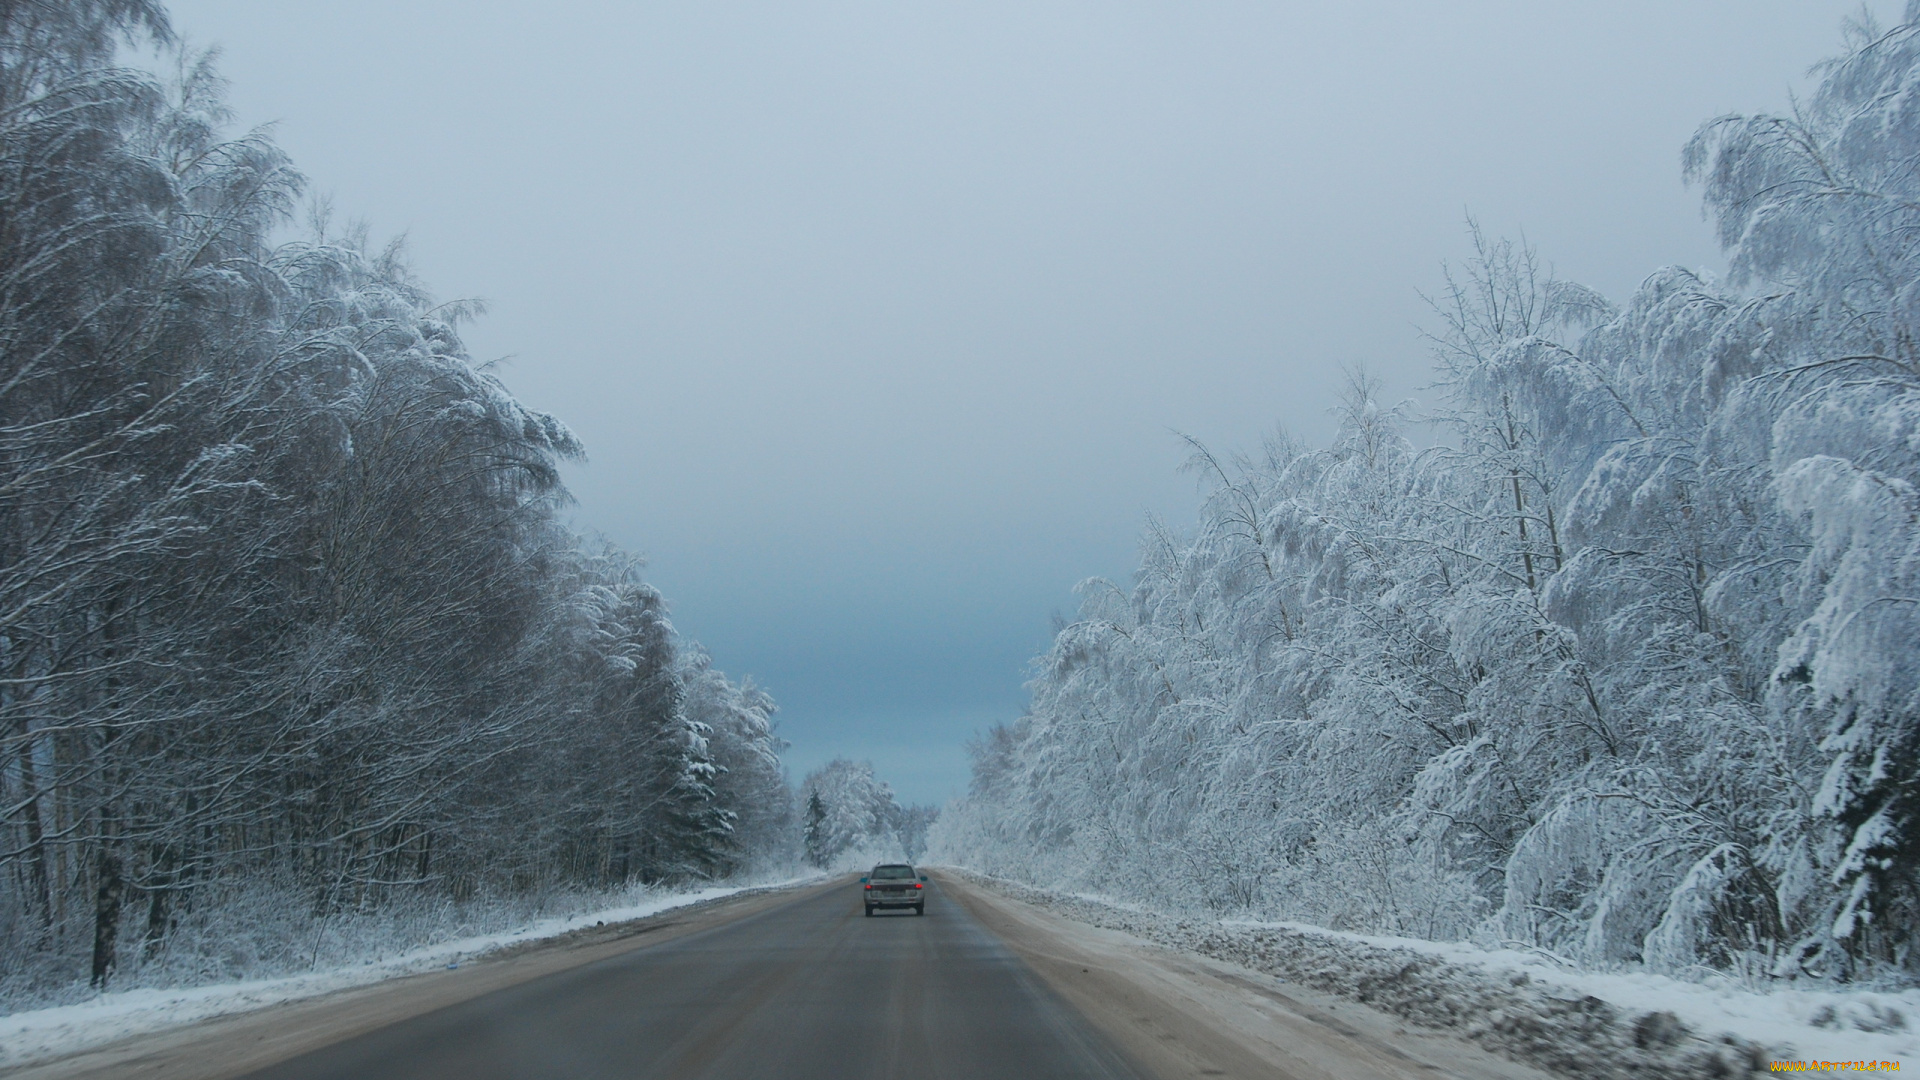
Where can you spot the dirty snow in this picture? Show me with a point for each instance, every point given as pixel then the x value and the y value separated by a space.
pixel 1532 1007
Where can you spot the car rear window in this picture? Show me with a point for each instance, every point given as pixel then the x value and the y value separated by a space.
pixel 892 873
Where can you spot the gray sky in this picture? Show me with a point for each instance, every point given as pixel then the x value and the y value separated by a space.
pixel 876 317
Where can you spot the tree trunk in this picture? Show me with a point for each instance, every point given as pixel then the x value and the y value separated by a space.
pixel 156 922
pixel 42 882
pixel 106 919
pixel 426 855
pixel 165 877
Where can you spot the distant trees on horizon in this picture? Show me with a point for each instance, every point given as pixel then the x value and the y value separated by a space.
pixel 849 818
pixel 1627 670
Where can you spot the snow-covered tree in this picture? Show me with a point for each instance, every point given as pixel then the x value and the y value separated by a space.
pixel 1625 669
pixel 287 614
pixel 850 818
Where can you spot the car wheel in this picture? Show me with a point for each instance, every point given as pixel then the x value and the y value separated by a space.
pixel 919 909
pixel 869 911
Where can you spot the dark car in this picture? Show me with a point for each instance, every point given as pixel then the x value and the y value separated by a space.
pixel 895 885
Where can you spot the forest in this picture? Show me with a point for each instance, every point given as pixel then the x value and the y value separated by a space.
pixel 292 631
pixel 1620 666
pixel 1607 651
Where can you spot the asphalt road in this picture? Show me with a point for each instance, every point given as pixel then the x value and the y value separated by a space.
pixel 806 989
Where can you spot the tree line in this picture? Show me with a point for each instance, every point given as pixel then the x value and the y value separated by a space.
pixel 1628 669
pixel 288 614
pixel 848 818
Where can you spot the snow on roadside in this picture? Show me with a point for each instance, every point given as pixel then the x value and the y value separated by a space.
pixel 39 1034
pixel 1531 1008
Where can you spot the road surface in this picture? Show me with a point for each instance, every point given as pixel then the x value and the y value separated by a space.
pixel 797 984
pixel 812 988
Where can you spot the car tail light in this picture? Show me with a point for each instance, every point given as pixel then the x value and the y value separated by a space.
pixel 868 887
pixel 916 884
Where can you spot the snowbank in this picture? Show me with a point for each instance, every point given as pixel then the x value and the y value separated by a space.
pixel 47 1033
pixel 1532 1008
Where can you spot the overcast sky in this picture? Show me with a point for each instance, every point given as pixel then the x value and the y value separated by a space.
pixel 877 318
